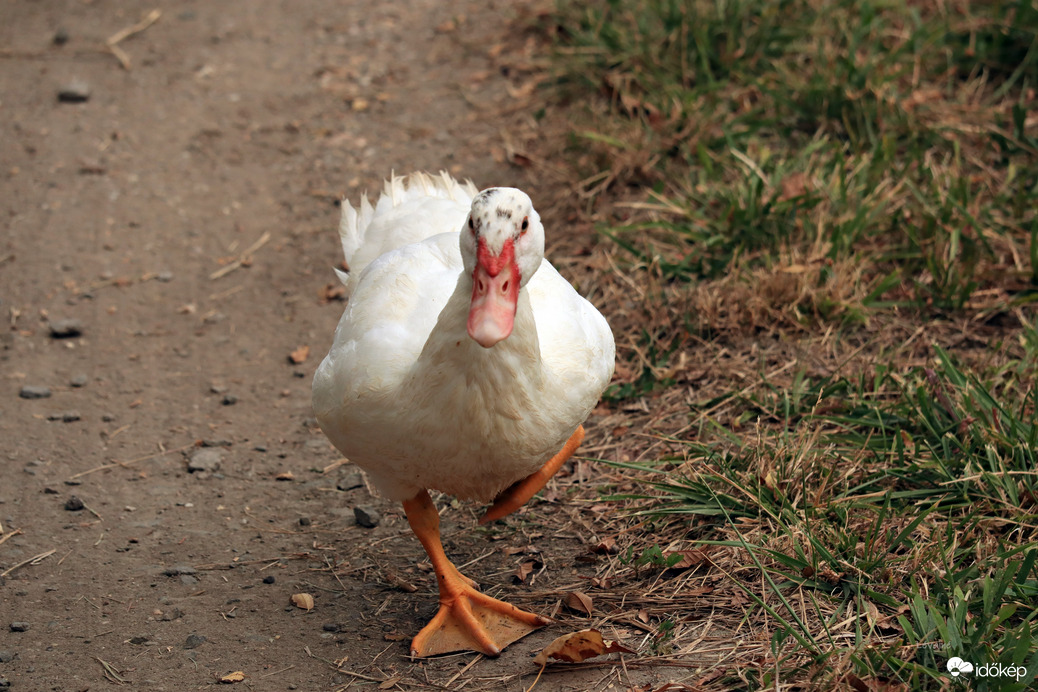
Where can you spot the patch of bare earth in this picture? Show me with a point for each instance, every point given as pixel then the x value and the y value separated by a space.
pixel 163 503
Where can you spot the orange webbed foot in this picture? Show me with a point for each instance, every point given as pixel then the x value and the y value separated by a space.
pixel 468 619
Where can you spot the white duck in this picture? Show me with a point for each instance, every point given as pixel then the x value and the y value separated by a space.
pixel 463 362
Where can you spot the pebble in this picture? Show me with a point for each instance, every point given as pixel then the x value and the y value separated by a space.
pixel 269 579
pixel 5 684
pixel 217 443
pixel 332 627
pixel 165 277
pixel 64 416
pixel 194 641
pixel 367 516
pixel 19 626
pixel 178 570
pixel 75 91
pixel 207 459
pixel 305 521
pixel 73 504
pixel 229 400
pixel 6 656
pixel 66 328
pixel 60 37
pixel 34 391
pixel 171 615
pixel 349 481
pixel 79 380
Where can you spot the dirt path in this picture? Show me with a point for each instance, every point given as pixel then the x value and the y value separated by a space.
pixel 183 217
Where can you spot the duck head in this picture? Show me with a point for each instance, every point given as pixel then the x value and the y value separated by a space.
pixel 502 245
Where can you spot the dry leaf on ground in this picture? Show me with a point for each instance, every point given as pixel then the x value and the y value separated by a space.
pixel 578 601
pixel 299 355
pixel 579 646
pixel 236 676
pixel 304 601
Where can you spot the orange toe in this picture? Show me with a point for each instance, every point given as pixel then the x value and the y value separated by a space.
pixel 472 621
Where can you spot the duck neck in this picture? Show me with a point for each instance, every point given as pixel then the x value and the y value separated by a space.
pixel 512 364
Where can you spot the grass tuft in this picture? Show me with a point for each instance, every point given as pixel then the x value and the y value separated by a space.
pixel 822 219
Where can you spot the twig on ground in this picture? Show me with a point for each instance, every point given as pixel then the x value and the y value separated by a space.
pixel 243 258
pixel 115 39
pixel 4 537
pixel 34 560
pixel 115 464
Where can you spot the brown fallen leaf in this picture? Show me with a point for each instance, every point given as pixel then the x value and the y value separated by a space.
pixel 607 546
pixel 299 355
pixel 579 646
pixel 236 676
pixel 390 683
pixel 578 601
pixel 304 601
pixel 691 558
pixel 522 572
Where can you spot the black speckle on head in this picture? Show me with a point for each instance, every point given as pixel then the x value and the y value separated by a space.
pixel 503 213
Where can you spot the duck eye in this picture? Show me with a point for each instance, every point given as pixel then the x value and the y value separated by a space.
pixel 526 223
pixel 472 226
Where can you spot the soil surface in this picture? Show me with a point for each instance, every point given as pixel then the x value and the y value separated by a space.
pixel 169 238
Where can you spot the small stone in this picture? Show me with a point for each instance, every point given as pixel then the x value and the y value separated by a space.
pixel 79 380
pixel 165 277
pixel 269 579
pixel 33 391
pixel 171 615
pixel 260 448
pixel 188 580
pixel 305 521
pixel 217 388
pixel 205 460
pixel 60 37
pixel 64 416
pixel 194 641
pixel 331 627
pixel 367 516
pixel 229 400
pixel 5 684
pixel 6 656
pixel 19 626
pixel 178 570
pixel 217 443
pixel 349 481
pixel 73 504
pixel 66 328
pixel 76 91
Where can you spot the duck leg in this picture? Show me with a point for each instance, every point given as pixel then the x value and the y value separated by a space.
pixel 467 619
pixel 519 493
